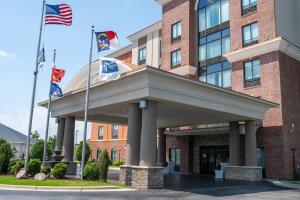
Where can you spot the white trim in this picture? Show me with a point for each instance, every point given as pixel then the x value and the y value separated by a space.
pixel 185 70
pixel 163 2
pixel 144 32
pixel 277 44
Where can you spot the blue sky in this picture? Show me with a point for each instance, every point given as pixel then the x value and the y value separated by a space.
pixel 19 24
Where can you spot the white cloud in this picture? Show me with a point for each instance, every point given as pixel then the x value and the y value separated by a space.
pixel 6 54
pixel 19 121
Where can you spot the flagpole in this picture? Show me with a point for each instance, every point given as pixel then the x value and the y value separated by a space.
pixel 86 106
pixel 33 91
pixel 48 115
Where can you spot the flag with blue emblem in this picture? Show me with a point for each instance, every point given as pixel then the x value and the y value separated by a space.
pixel 55 90
pixel 111 69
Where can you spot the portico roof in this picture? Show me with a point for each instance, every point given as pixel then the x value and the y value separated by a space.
pixel 180 101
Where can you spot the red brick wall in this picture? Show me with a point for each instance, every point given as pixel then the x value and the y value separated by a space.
pixel 265 15
pixel 175 11
pixel 118 145
pixel 290 89
pixel 181 143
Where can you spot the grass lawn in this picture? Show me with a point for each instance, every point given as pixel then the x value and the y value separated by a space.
pixel 295 182
pixel 11 180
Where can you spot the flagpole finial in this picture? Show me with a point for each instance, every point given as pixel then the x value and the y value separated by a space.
pixel 93 27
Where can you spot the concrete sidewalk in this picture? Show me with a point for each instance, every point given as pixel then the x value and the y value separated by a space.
pixel 284 184
pixel 64 189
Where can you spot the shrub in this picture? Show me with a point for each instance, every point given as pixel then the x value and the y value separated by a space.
pixel 104 164
pixel 5 155
pixel 117 163
pixel 79 152
pixel 34 167
pixel 11 166
pixel 46 170
pixel 91 171
pixel 37 150
pixel 18 166
pixel 59 170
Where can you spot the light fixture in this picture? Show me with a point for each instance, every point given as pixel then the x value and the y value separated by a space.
pixel 143 104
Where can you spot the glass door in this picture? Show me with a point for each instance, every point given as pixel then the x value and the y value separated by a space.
pixel 174 157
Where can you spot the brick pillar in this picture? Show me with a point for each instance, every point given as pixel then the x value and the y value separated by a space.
pixel 234 144
pixel 161 153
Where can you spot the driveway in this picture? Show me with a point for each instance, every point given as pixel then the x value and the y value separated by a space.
pixel 243 192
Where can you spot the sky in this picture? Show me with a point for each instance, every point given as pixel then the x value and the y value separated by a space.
pixel 20 22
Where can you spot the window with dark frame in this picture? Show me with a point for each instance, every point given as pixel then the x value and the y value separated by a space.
pixel 115 131
pixel 248 6
pixel 176 58
pixel 98 153
pixel 100 133
pixel 142 56
pixel 250 34
pixel 176 32
pixel 114 154
pixel 252 73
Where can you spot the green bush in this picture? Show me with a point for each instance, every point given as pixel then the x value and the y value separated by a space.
pixel 11 166
pixel 37 151
pixel 18 166
pixel 46 170
pixel 91 171
pixel 79 152
pixel 117 163
pixel 5 155
pixel 104 164
pixel 34 167
pixel 59 170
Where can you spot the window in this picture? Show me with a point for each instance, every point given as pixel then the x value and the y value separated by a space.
pixel 115 131
pixel 176 32
pixel 176 58
pixel 100 133
pixel 250 34
pixel 214 45
pixel 252 73
pixel 218 74
pixel 213 14
pixel 248 6
pixel 114 155
pixel 142 56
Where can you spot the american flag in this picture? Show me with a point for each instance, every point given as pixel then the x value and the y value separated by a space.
pixel 58 14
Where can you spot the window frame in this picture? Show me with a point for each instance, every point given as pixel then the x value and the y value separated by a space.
pixel 177 64
pixel 178 37
pixel 142 60
pixel 113 151
pixel 253 81
pixel 251 34
pixel 248 9
pixel 100 137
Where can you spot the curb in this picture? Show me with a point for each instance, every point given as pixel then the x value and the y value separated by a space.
pixel 64 189
pixel 285 184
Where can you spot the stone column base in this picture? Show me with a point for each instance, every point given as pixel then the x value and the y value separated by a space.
pixel 142 177
pixel 243 173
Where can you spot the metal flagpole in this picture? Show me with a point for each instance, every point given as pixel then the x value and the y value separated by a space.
pixel 86 106
pixel 34 89
pixel 48 115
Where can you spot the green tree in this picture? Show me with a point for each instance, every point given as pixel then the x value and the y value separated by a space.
pixel 35 135
pixel 52 143
pixel 104 164
pixel 79 152
pixel 37 151
pixel 5 155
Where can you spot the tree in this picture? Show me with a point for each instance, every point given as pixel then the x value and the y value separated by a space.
pixel 52 143
pixel 37 151
pixel 5 155
pixel 104 164
pixel 79 152
pixel 35 135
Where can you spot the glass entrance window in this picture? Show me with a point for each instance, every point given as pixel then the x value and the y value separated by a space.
pixel 174 157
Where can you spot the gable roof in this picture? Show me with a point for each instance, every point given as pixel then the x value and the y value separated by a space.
pixel 11 135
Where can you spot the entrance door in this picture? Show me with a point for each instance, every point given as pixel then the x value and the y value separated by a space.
pixel 211 157
pixel 174 158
